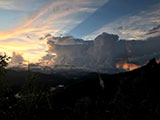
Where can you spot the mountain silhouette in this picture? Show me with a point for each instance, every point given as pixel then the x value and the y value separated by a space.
pixel 90 96
pixel 128 95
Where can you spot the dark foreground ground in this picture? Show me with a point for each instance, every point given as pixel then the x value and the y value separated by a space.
pixel 124 96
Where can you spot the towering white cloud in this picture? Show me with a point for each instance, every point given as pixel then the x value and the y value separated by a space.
pixel 97 54
pixel 103 53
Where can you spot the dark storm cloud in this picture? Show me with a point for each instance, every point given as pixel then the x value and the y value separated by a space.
pixel 154 30
pixel 67 40
pixel 102 53
pixel 46 36
pixel 120 28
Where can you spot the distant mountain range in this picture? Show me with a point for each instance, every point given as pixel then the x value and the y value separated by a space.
pixel 94 96
pixel 63 76
pixel 138 79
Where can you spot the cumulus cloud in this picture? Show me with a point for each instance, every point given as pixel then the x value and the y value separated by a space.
pixel 106 53
pixel 16 59
pixel 97 54
pixel 103 53
pixel 68 52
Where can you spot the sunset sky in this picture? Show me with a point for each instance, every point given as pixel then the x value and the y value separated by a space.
pixel 24 22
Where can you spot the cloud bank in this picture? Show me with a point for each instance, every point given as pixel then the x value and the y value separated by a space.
pixel 103 53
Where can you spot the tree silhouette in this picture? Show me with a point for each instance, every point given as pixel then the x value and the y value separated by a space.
pixel 4 59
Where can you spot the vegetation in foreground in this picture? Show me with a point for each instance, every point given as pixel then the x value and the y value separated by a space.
pixel 125 96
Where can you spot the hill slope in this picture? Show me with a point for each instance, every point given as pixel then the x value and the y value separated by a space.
pixel 130 95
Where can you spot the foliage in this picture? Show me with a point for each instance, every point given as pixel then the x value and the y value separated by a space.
pixel 4 87
pixel 4 59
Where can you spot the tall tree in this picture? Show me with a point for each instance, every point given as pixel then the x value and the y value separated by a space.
pixel 4 59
